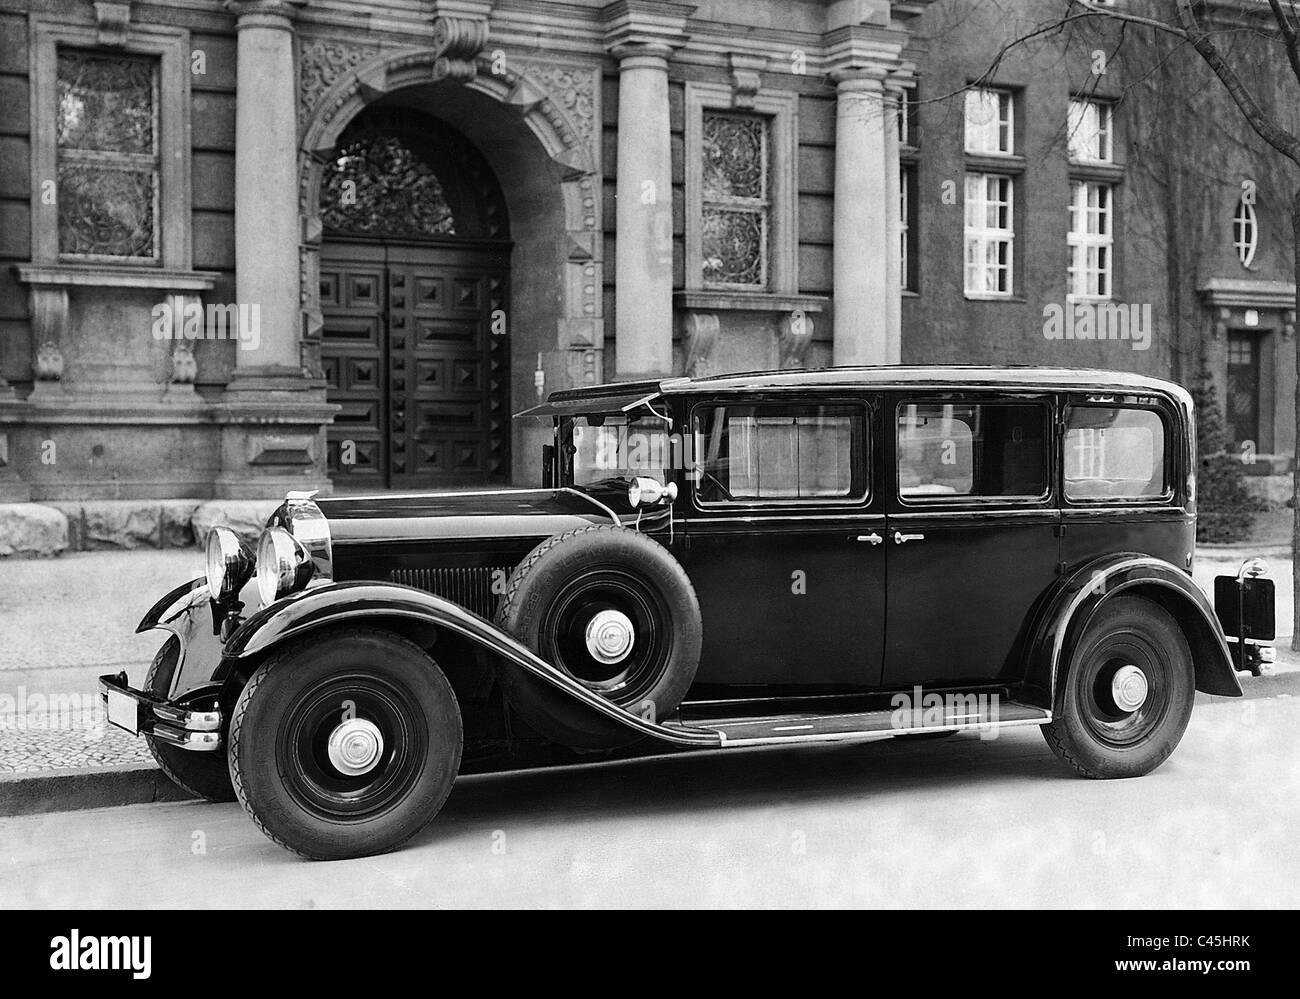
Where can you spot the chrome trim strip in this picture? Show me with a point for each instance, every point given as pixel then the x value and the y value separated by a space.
pixel 875 735
pixel 697 520
pixel 1044 512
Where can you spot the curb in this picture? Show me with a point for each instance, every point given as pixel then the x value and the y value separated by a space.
pixel 93 787
pixel 134 784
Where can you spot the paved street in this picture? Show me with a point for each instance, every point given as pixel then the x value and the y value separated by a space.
pixel 959 823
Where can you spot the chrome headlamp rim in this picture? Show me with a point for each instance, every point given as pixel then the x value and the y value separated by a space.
pixel 229 564
pixel 284 565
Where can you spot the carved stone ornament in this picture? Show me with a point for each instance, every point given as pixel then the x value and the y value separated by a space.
pixel 322 63
pixel 458 41
pixel 49 362
pixel 114 22
pixel 699 337
pixel 185 368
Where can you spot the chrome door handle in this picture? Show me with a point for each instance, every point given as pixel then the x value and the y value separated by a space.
pixel 900 538
pixel 873 538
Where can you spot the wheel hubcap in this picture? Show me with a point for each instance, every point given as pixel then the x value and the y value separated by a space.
pixel 1129 688
pixel 355 747
pixel 610 636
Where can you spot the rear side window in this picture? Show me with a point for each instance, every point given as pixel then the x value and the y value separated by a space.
pixel 780 453
pixel 977 450
pixel 1114 454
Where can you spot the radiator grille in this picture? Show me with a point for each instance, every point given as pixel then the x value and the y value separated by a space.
pixel 471 588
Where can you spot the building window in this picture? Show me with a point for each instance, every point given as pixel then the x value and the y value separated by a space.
pixel 1245 230
pixel 907 227
pixel 990 234
pixel 106 135
pixel 990 122
pixel 1091 135
pixel 1091 239
pixel 741 233
pixel 737 202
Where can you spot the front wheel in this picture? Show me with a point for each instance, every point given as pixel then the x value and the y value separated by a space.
pixel 1128 692
pixel 345 744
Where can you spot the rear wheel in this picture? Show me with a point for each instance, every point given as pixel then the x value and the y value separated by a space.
pixel 1128 692
pixel 202 774
pixel 346 744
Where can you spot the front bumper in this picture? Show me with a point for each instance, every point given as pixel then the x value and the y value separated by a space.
pixel 177 725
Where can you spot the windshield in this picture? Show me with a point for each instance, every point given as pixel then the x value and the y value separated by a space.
pixel 610 450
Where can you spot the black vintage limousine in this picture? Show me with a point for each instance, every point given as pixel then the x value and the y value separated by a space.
pixel 786 557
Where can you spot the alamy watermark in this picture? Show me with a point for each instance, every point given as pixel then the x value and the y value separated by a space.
pixel 919 709
pixel 1098 321
pixel 215 321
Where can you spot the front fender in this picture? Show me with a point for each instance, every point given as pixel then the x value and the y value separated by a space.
pixel 334 603
pixel 1079 597
pixel 186 612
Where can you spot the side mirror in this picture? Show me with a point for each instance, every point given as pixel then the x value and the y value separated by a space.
pixel 644 491
pixel 548 466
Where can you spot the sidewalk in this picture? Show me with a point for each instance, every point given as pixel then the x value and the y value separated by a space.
pixel 65 621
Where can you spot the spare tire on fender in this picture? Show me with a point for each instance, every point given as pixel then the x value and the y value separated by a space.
pixel 615 611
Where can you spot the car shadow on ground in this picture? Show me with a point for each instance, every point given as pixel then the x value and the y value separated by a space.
pixel 693 783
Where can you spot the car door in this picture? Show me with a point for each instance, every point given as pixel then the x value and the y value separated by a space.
pixel 972 533
pixel 785 541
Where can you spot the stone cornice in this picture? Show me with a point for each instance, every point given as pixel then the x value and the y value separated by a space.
pixel 110 276
pixel 1248 293
pixel 656 24
pixel 862 52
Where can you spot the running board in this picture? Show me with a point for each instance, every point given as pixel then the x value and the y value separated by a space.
pixel 865 726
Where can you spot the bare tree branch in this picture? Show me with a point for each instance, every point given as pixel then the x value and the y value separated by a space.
pixel 1276 136
pixel 1288 36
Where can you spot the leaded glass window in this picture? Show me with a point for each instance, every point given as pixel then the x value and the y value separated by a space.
pixel 106 132
pixel 736 199
pixel 378 185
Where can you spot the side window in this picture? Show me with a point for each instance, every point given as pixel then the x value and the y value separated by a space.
pixel 780 453
pixel 1114 454
pixel 977 450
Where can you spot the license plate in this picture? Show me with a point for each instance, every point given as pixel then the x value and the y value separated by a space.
pixel 123 711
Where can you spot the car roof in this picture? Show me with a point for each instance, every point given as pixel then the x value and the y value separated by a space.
pixel 951 376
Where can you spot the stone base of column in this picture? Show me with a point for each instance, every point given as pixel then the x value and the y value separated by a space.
pixel 272 435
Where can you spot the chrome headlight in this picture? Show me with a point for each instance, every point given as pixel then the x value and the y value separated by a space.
pixel 230 564
pixel 284 566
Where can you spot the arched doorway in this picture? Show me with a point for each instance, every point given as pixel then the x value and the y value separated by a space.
pixel 414 285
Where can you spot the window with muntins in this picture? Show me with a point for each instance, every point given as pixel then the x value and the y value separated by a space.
pixel 107 157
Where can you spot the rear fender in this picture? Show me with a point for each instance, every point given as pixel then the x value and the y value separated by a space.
pixel 318 607
pixel 1082 594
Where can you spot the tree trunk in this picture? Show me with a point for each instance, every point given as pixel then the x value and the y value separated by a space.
pixel 1295 462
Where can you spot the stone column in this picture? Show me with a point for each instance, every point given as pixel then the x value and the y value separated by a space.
pixel 642 35
pixel 273 414
pixel 266 181
pixel 866 273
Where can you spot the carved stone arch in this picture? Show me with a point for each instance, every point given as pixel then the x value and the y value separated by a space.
pixel 558 106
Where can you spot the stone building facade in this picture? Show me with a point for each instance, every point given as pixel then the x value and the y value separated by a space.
pixel 254 245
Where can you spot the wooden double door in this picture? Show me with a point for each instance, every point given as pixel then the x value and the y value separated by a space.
pixel 415 352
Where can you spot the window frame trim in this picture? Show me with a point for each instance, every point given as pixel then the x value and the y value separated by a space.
pixel 781 107
pixel 777 507
pixel 171 47
pixel 1168 458
pixel 1044 501
pixel 984 234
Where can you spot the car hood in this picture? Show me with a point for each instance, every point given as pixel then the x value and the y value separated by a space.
pixel 501 513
